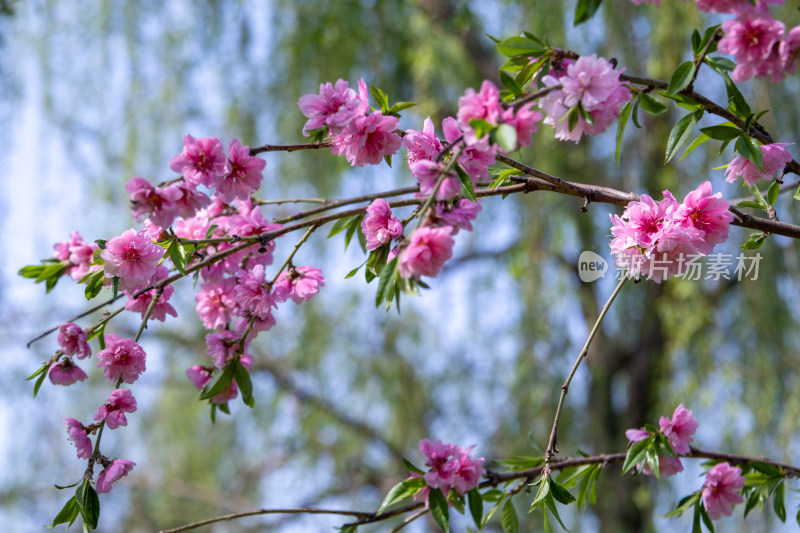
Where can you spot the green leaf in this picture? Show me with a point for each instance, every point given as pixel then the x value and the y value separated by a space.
pixel 542 493
pixel 59 487
pixel 94 285
pixel 339 226
pixel 481 127
pixel 707 519
pixel 439 511
pixel 778 504
pixel 354 271
pixel 796 194
pixel 530 69
pixel 707 35
pixel 400 106
pixel 380 98
pixel 773 192
pixel 516 46
pixel 635 114
pixel 721 65
pixel 506 137
pixel 401 491
pixel 520 462
pixel 680 134
pixel 88 503
pixel 696 42
pixel 475 502
pixel 508 518
pixel 587 492
pixel 352 227
pixel 651 105
pixel 754 241
pixel 31 271
pixel 722 132
pixel 242 377
pixel 101 243
pixel 175 255
pixel 467 189
pixel 585 10
pixel 749 203
pixel 551 504
pixel 510 83
pixel 561 494
pixel 411 467
pixel 219 383
pixel 502 178
pixel 749 148
pixel 622 122
pixel 682 77
pixel 494 509
pixel 38 384
pixel 697 142
pixel 386 283
pixel 736 101
pixel 636 454
pixel 348 529
pixel 67 514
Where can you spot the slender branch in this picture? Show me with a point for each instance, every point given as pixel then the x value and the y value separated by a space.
pixel 297 246
pixel 333 204
pixel 410 519
pixel 492 480
pixel 235 516
pixel 259 201
pixel 76 317
pixel 535 96
pixel 552 445
pixel 289 147
pixel 148 312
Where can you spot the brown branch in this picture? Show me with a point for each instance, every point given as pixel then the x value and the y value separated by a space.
pixel 256 512
pixel 289 147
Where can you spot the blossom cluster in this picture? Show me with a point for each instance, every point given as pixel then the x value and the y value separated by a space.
pixel 760 44
pixel 450 467
pixel 723 484
pixel 679 430
pixel 362 137
pixel 77 254
pixel 589 99
pixel 485 107
pixel 652 239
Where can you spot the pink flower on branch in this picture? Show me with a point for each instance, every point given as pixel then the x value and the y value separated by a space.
pixel 216 302
pixel 133 258
pixel 121 359
pixel 66 373
pixel 589 100
pixel 335 106
pixel 379 226
pixel 202 161
pixel 113 472
pixel 78 253
pixel 162 308
pixel 667 466
pixel 157 203
pixel 708 213
pixel 244 176
pixel 252 293
pixel 721 490
pixel 451 467
pixel 113 411
pixel 367 139
pixel 679 430
pixel 774 158
pixel 483 105
pixel 299 284
pixel 72 340
pixel 77 435
pixel 752 38
pixel 427 251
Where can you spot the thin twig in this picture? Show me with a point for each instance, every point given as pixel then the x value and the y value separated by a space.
pixel 553 443
pixel 235 516
pixel 289 147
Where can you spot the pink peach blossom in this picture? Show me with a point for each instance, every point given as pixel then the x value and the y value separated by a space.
pixel 113 411
pixel 367 139
pixel 72 340
pixel 335 106
pixel 427 251
pixel 721 490
pixel 77 435
pixel 379 226
pixel 157 203
pixel 706 212
pixel 141 303
pixel 202 161
pixel 299 284
pixel 133 258
pixel 774 157
pixel 679 430
pixel 751 38
pixel 66 373
pixel 113 472
pixel 121 359
pixel 244 176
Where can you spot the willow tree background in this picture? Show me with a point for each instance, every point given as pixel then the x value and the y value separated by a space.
pixel 96 92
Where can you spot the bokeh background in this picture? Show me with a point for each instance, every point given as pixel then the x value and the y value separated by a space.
pixel 95 92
